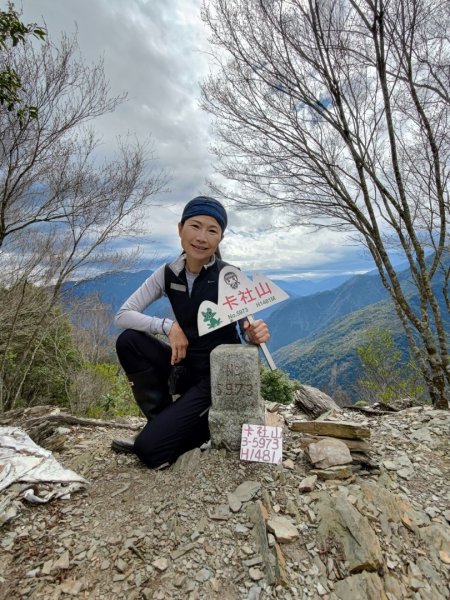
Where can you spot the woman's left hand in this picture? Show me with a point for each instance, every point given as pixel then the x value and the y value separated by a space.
pixel 257 332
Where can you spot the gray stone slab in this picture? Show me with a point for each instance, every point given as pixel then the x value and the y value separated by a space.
pixel 236 396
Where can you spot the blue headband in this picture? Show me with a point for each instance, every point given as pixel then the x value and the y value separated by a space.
pixel 204 205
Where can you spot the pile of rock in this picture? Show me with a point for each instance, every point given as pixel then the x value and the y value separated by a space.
pixel 337 449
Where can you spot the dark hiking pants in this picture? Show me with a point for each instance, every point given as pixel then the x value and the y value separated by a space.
pixel 183 424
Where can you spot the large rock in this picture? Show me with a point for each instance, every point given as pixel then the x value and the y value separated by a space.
pixel 246 490
pixel 243 493
pixel 358 445
pixel 364 586
pixel 437 536
pixel 283 529
pixel 338 429
pixel 307 484
pixel 329 453
pixel 338 472
pixel 390 508
pixel 342 527
pixel 313 402
pixel 236 397
pixel 257 515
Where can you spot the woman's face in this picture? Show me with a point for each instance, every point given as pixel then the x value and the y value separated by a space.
pixel 200 236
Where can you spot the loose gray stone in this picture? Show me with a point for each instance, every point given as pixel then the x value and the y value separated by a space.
pixel 283 529
pixel 241 529
pixel 188 462
pixel 339 472
pixel 257 516
pixel 254 593
pixel 234 503
pixel 121 565
pixel 255 574
pixel 247 490
pixel 72 587
pixel 307 484
pixel 47 567
pixel 32 573
pixel 406 473
pixel 320 589
pixel 203 575
pixel 252 562
pixel 63 562
pixel 436 537
pixel 160 564
pixel 221 513
pixel 180 551
pixel 390 465
pixel 332 429
pixel 432 511
pixel 422 435
pixel 313 401
pixel 236 398
pixel 329 453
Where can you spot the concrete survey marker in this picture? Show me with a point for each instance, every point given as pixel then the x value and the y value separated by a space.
pixel 235 393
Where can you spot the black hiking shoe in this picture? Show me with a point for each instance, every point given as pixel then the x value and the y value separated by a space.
pixel 123 446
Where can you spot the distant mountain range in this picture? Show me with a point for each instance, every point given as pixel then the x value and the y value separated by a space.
pixel 314 337
pixel 306 287
pixel 298 318
pixel 114 288
pixel 328 359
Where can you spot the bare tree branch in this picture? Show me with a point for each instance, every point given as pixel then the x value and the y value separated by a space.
pixel 62 205
pixel 338 112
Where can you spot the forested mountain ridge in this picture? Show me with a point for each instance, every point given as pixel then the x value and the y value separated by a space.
pixel 329 359
pixel 328 356
pixel 298 318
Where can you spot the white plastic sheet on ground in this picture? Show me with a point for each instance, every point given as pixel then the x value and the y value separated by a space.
pixel 21 460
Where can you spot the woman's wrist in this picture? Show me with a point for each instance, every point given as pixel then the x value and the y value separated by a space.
pixel 166 326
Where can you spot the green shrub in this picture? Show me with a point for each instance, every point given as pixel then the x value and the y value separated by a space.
pixel 105 392
pixel 388 374
pixel 276 386
pixel 38 353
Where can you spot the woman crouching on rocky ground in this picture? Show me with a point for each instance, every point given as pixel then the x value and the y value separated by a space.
pixel 156 369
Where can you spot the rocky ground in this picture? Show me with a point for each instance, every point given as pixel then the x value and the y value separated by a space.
pixel 212 526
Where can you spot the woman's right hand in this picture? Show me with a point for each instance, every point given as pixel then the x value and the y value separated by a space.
pixel 178 342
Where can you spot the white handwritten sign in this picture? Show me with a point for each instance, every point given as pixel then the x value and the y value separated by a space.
pixel 238 297
pixel 262 443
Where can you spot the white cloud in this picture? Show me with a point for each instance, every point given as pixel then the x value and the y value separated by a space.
pixel 156 51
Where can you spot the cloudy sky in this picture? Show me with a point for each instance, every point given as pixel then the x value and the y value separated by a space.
pixel 157 51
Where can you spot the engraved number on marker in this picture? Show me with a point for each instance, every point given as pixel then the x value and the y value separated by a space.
pixel 234 389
